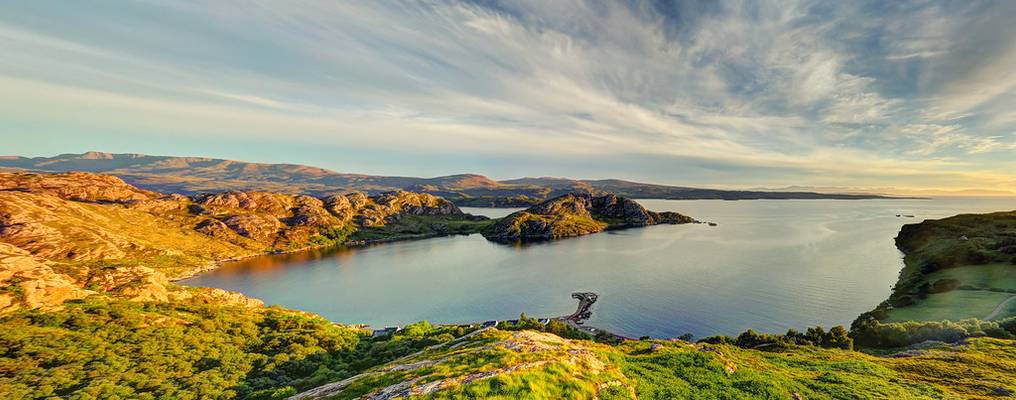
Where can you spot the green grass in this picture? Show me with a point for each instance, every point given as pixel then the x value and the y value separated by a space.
pixel 546 367
pixel 413 225
pixel 560 225
pixel 990 276
pixel 952 306
pixel 954 268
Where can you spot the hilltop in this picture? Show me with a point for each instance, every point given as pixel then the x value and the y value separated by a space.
pixel 190 175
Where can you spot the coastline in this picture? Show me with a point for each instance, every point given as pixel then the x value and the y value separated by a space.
pixel 215 264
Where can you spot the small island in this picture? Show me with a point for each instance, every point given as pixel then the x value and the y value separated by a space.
pixel 578 214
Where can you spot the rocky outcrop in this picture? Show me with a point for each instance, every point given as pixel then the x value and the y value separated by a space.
pixel 29 281
pixel 578 214
pixel 136 283
pixel 376 210
pixel 633 214
pixel 260 202
pixel 108 236
pixel 76 186
pixel 54 228
pixel 273 218
pixel 252 226
pixel 215 296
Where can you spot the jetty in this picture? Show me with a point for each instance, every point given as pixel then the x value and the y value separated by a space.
pixel 586 300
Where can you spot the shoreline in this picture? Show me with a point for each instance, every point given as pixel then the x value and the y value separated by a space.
pixel 216 264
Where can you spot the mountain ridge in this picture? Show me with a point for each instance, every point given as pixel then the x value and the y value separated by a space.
pixel 192 175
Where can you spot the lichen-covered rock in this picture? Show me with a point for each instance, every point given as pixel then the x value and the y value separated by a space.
pixel 214 228
pixel 341 207
pixel 259 228
pixel 29 281
pixel 310 211
pixel 262 202
pixel 136 283
pixel 376 210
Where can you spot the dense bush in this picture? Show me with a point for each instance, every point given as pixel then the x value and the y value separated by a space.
pixel 98 348
pixel 872 333
pixel 837 337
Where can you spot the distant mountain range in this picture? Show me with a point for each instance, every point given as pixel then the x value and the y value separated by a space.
pixel 189 175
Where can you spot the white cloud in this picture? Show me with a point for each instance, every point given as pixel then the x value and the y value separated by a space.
pixel 833 88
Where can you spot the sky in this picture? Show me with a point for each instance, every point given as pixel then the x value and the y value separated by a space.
pixel 903 96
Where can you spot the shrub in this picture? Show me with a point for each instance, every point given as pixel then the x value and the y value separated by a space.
pixel 875 334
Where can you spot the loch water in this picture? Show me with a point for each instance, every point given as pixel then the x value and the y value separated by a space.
pixel 767 265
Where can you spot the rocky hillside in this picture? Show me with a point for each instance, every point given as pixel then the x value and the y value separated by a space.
pixel 66 234
pixel 578 214
pixel 529 364
pixel 191 175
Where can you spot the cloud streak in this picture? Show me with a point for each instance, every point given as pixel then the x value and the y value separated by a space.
pixel 814 93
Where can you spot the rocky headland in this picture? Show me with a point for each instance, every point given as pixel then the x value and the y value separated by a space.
pixel 578 214
pixel 68 235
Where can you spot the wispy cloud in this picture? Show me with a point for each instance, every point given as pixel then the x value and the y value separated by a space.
pixel 817 93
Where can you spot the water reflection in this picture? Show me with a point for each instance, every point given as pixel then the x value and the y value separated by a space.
pixel 768 265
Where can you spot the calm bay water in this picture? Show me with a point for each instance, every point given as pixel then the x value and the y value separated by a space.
pixel 769 265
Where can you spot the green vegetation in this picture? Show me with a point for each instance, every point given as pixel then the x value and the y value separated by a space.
pixel 528 364
pixel 101 348
pixel 993 277
pixel 554 226
pixel 332 235
pixel 409 226
pixel 198 343
pixel 955 268
pixel 953 305
pixel 871 333
pixel 507 200
pixel 835 338
pixel 555 326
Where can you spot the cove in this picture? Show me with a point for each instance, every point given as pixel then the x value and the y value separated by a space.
pixel 768 265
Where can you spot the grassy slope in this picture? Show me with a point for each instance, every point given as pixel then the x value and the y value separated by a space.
pixel 414 225
pixel 955 305
pixel 563 225
pixel 499 364
pixel 946 277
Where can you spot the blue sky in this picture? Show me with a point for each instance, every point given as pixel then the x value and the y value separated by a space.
pixel 911 95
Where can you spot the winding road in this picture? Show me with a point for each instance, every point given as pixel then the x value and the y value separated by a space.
pixel 999 308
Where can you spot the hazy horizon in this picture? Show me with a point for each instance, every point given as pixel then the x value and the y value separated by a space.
pixel 830 190
pixel 911 96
